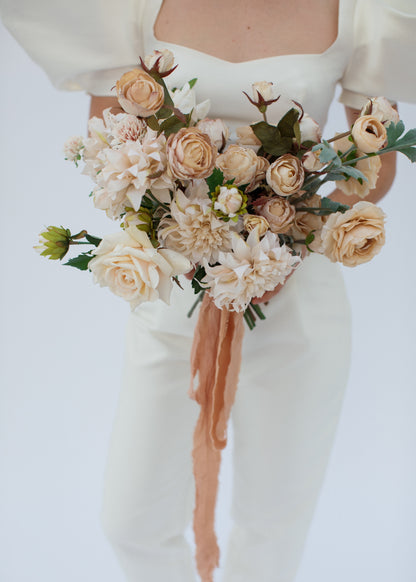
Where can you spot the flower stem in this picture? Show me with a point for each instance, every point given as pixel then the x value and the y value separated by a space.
pixel 198 300
pixel 258 310
pixel 341 135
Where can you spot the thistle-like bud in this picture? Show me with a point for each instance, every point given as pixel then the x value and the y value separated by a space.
pixel 54 242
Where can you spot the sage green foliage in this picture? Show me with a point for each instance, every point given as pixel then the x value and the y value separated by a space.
pixel 81 261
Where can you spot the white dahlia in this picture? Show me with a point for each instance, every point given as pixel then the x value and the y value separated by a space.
pixel 194 230
pixel 252 268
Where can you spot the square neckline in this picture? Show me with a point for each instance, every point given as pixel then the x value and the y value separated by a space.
pixel 151 16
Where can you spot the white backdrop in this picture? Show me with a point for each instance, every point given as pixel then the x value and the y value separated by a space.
pixel 61 355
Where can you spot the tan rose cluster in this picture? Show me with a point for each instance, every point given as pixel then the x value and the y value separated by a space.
pixel 370 167
pixel 139 94
pixel 356 236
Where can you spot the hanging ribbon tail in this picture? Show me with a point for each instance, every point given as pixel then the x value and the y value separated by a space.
pixel 216 358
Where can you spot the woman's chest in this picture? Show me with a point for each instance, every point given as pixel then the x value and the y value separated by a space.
pixel 241 30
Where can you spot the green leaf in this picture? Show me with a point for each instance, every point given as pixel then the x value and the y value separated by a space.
pixel 310 238
pixel 164 113
pixel 327 152
pixel 216 179
pixel 272 140
pixel 287 123
pixel 171 125
pixel 196 280
pixel 94 240
pixel 410 152
pixel 80 262
pixel 353 173
pixel 152 122
pixel 394 131
pixel 332 206
pixel 296 129
pixel 192 82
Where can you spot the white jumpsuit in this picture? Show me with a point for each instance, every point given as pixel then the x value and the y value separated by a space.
pixel 295 364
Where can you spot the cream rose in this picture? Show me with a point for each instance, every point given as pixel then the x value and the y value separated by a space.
pixel 311 162
pixel 252 221
pixel 239 163
pixel 278 213
pixel 286 175
pixel 133 269
pixel 247 137
pixel 354 237
pixel 309 129
pixel 306 222
pixel 381 108
pixel 139 94
pixel 190 154
pixel 369 134
pixel 370 167
pixel 216 130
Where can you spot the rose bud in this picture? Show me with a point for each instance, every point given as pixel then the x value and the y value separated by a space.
pixel 162 61
pixel 216 130
pixel 252 221
pixel 278 213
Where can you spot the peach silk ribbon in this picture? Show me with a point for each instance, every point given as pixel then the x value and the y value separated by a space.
pixel 216 358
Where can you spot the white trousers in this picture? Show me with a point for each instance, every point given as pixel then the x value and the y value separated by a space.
pixel 293 376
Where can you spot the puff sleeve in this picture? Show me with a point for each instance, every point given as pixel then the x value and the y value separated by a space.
pixel 382 60
pixel 81 44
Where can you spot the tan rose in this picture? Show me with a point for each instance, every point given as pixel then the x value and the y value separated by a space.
pixel 139 94
pixel 278 213
pixel 306 222
pixel 369 134
pixel 285 176
pixel 239 163
pixel 311 162
pixel 216 130
pixel 370 167
pixel 381 108
pixel 252 221
pixel 246 136
pixel 190 154
pixel 356 236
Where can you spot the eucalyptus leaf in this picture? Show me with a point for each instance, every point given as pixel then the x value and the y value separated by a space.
pixel 327 153
pixel 328 204
pixel 394 131
pixel 410 152
pixel 354 173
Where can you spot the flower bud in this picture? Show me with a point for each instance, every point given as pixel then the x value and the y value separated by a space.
pixel 369 134
pixel 161 61
pixel 53 242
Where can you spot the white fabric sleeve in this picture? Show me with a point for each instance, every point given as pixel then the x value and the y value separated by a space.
pixel 80 44
pixel 382 62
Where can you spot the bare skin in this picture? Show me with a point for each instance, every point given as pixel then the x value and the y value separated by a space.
pixel 259 30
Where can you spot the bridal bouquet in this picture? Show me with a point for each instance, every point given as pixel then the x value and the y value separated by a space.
pixel 239 214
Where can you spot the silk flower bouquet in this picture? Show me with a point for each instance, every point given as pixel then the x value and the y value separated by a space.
pixel 241 217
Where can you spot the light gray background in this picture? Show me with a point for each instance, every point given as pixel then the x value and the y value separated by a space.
pixel 61 355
